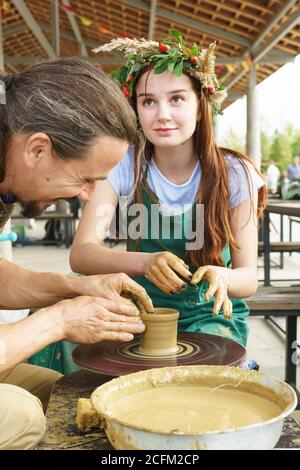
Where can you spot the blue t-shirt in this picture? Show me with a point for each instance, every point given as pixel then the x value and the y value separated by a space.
pixel 177 198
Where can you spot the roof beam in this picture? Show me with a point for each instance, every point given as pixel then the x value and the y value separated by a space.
pixel 285 28
pixel 152 19
pixel 259 54
pixel 14 60
pixel 65 35
pixel 190 23
pixel 55 26
pixel 34 27
pixel 235 95
pixel 47 29
pixel 274 57
pixel 15 29
pixel 1 44
pixel 277 17
pixel 74 25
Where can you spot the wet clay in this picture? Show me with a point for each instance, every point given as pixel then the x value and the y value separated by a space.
pixel 160 336
pixel 193 409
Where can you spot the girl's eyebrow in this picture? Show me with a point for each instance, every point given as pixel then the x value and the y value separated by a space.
pixel 169 93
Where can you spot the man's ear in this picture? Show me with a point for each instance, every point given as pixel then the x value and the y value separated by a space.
pixel 37 149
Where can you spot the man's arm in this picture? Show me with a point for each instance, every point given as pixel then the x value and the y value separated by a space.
pixel 83 320
pixel 20 288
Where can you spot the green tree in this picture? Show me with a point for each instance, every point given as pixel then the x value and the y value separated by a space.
pixel 281 149
pixel 296 143
pixel 266 144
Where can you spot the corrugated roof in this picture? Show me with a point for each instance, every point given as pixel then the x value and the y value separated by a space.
pixel 245 31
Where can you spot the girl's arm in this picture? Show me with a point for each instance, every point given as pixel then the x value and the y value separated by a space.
pixel 243 282
pixel 88 253
pixel 242 278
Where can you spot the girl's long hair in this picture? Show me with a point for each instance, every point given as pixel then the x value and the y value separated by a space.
pixel 213 191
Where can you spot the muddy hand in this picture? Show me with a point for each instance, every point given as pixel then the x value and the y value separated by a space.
pixel 218 286
pixel 161 272
pixel 138 294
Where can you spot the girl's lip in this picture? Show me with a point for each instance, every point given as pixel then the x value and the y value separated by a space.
pixel 166 129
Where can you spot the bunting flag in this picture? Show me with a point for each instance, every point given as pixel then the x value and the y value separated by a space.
pixel 68 8
pixel 85 21
pixel 245 65
pixel 5 6
pixel 230 67
pixel 219 68
pixel 102 30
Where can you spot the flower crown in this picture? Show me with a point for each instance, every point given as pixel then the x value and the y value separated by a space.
pixel 167 55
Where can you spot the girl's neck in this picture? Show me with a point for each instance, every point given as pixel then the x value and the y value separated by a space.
pixel 176 163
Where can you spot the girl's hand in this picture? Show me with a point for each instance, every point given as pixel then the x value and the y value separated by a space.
pixel 219 281
pixel 160 271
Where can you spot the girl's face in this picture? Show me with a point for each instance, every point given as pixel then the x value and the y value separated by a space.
pixel 167 108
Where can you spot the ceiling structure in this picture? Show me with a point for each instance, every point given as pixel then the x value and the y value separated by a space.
pixel 264 34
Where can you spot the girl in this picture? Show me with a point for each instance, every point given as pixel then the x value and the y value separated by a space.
pixel 193 244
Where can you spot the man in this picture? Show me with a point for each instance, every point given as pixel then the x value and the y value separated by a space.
pixel 293 169
pixel 64 125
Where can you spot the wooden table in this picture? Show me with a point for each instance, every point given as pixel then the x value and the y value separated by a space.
pixel 67 220
pixel 290 208
pixel 281 302
pixel 61 429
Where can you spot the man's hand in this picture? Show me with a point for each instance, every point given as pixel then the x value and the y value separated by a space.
pixel 114 287
pixel 88 320
pixel 218 285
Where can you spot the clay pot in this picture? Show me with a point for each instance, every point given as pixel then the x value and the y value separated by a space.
pixel 160 336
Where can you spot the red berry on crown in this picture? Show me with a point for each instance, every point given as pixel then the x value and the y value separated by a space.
pixel 163 47
pixel 130 78
pixel 211 90
pixel 193 59
pixel 126 91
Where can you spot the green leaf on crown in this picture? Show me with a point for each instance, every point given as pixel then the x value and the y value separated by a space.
pixel 194 50
pixel 177 35
pixel 178 68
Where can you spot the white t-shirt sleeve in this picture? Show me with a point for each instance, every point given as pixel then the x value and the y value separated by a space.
pixel 241 184
pixel 122 175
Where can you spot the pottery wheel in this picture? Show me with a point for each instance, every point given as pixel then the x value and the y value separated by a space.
pixel 116 359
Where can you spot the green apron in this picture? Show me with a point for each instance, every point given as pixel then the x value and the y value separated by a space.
pixel 195 312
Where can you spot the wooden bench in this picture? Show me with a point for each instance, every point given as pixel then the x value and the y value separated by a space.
pixel 281 302
pixel 280 247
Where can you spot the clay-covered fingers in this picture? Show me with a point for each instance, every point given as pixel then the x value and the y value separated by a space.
pixel 214 283
pixel 167 277
pixel 113 322
pixel 139 294
pixel 227 309
pixel 163 272
pixel 222 300
pixel 178 265
pixel 199 275
pixel 120 307
pixel 158 283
